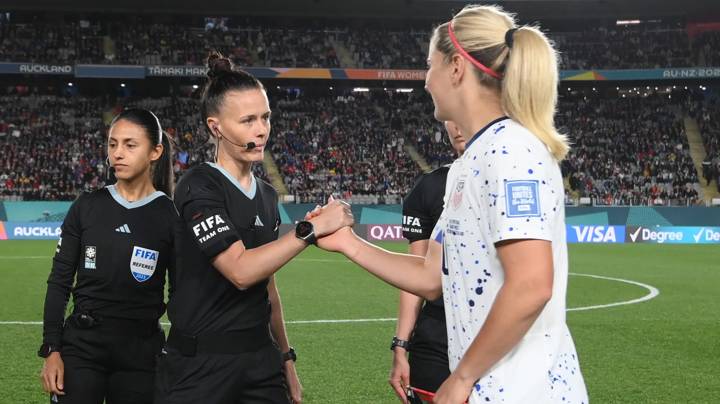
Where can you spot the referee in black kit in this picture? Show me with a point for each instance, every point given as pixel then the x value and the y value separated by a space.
pixel 118 242
pixel 227 330
pixel 421 328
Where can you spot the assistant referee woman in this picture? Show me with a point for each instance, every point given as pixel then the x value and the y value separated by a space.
pixel 223 344
pixel 421 328
pixel 116 245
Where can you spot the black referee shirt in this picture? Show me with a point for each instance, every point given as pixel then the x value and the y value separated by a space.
pixel 422 208
pixel 119 251
pixel 216 212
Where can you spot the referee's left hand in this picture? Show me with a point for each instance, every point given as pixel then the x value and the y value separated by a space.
pixel 293 383
pixel 53 374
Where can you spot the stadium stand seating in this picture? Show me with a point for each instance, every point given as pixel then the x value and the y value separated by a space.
pixel 626 151
pixel 131 40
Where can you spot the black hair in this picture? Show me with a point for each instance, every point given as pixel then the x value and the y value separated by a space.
pixel 161 170
pixel 223 77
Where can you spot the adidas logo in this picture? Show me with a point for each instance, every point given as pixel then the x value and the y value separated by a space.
pixel 258 222
pixel 123 229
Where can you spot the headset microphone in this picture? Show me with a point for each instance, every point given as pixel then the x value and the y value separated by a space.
pixel 249 146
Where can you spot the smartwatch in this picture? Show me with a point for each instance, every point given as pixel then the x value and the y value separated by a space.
pixel 46 349
pixel 399 342
pixel 289 355
pixel 306 232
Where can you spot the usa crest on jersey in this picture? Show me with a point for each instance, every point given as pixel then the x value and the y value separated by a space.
pixel 143 263
pixel 457 195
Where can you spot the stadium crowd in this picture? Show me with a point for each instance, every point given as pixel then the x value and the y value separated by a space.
pixel 706 46
pixel 142 43
pixel 141 40
pixel 54 147
pixel 707 114
pixel 626 151
pixel 51 148
pixel 625 48
pixel 342 145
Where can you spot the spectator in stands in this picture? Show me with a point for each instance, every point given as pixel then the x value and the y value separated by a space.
pixel 141 40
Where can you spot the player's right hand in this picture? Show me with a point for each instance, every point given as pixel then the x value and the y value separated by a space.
pixel 331 217
pixel 338 241
pixel 53 374
pixel 400 374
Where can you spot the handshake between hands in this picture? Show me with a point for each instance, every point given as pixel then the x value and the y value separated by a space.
pixel 333 225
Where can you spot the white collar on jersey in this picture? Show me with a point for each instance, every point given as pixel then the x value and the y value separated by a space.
pixel 253 184
pixel 136 204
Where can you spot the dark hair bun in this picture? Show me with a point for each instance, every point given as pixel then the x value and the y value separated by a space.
pixel 218 64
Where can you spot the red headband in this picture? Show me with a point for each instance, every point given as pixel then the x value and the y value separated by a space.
pixel 467 56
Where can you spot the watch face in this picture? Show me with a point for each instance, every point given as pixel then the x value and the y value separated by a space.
pixel 304 229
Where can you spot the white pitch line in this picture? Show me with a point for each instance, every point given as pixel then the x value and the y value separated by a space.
pixel 654 292
pixel 20 322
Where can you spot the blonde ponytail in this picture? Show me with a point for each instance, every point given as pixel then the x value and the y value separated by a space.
pixel 528 69
pixel 529 88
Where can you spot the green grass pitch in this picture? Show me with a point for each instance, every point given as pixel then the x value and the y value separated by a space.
pixel 664 350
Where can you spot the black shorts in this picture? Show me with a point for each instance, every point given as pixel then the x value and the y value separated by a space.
pixel 247 378
pixel 104 366
pixel 428 353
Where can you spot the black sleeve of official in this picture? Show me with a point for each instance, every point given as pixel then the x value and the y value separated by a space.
pixel 417 222
pixel 202 209
pixel 434 198
pixel 62 275
pixel 278 218
pixel 172 264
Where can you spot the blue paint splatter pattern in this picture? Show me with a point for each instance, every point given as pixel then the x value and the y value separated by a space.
pixel 543 367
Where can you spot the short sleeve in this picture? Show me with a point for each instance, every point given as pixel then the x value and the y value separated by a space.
pixel 417 218
pixel 202 208
pixel 438 234
pixel 422 206
pixel 518 192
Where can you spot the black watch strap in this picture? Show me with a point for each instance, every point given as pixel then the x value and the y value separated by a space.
pixel 46 349
pixel 289 355
pixel 404 344
pixel 305 231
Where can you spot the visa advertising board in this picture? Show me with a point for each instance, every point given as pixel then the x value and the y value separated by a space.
pixel 641 234
pixel 595 234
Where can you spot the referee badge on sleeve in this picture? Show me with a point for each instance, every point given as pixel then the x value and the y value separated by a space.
pixel 90 256
pixel 143 263
pixel 522 198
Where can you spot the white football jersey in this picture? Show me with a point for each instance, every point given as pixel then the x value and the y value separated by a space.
pixel 507 185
